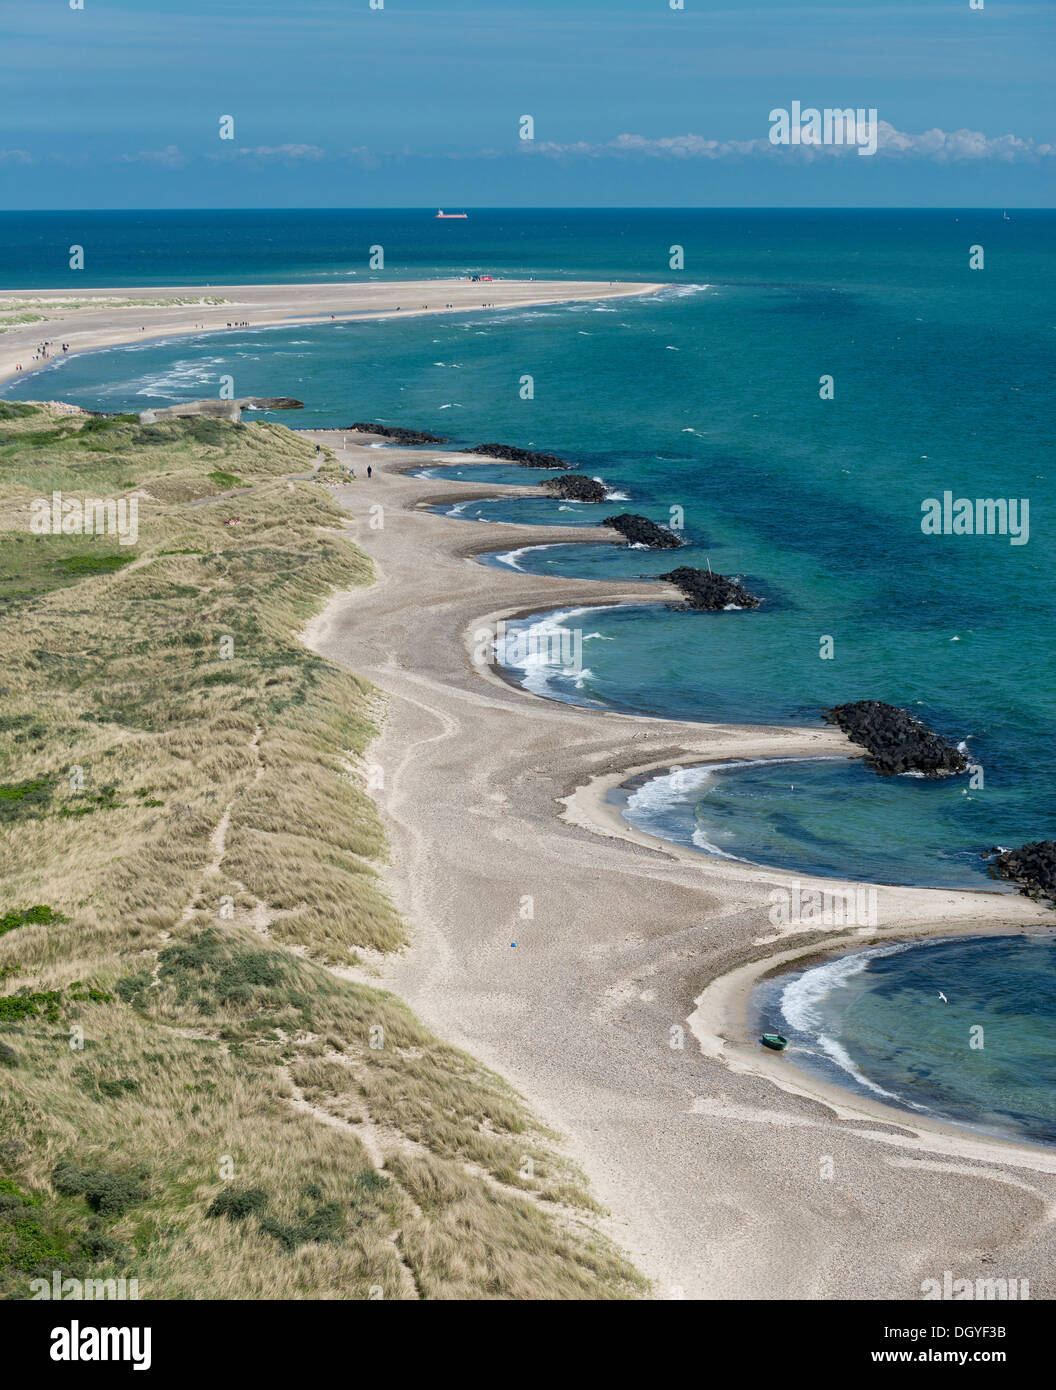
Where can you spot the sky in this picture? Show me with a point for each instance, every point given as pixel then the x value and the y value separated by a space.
pixel 336 103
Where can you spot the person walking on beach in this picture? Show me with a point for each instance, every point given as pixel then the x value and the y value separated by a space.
pixel 370 471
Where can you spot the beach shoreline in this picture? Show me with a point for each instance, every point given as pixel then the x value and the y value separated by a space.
pixel 92 329
pixel 494 794
pixel 720 1022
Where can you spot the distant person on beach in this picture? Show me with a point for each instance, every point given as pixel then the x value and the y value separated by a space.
pixel 370 471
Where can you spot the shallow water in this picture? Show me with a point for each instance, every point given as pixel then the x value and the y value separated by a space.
pixel 875 1021
pixel 778 811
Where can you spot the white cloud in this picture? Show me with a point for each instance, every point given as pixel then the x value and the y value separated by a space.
pixel 938 145
pixel 958 144
pixel 170 157
pixel 15 157
pixel 289 152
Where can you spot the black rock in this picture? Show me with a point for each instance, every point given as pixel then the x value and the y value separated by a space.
pixel 639 530
pixel 705 589
pixel 575 487
pixel 895 740
pixel 273 402
pixel 511 454
pixel 1032 868
pixel 397 435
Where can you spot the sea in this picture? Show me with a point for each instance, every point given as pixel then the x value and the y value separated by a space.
pixel 799 396
pixel 956 1030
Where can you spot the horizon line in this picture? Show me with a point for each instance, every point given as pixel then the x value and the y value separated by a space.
pixel 568 207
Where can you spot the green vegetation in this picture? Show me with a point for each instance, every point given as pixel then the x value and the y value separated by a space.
pixel 110 1194
pixel 26 1003
pixel 224 480
pixel 25 799
pixel 35 1239
pixel 313 1225
pixel 14 320
pixel 210 970
pixel 30 309
pixel 33 565
pixel 41 914
pixel 189 1041
pixel 236 1203
pixel 316 1221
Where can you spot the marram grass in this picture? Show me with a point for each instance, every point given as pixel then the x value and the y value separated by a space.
pixel 201 1102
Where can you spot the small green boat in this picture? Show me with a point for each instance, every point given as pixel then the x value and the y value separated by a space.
pixel 774 1041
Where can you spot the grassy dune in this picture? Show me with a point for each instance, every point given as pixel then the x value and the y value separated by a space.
pixel 28 308
pixel 200 1087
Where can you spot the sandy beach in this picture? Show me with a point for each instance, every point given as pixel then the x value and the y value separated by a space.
pixel 107 320
pixel 605 972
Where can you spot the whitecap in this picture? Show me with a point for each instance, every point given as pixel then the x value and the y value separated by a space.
pixel 512 557
pixel 709 847
pixel 802 996
pixel 533 643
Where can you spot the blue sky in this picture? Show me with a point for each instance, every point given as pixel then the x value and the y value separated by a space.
pixel 336 104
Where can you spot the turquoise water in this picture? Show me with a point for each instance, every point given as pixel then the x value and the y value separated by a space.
pixel 777 247
pixel 525 511
pixel 874 1021
pixel 704 398
pixel 595 561
pixel 736 668
pixel 513 473
pixel 779 811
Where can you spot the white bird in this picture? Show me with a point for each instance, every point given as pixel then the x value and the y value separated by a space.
pixel 943 997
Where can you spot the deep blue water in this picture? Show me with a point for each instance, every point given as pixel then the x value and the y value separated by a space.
pixel 783 248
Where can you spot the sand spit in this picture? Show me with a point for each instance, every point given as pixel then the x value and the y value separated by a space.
pixel 604 971
pixel 108 320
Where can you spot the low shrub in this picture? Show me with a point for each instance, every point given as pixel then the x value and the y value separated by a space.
pixel 109 1194
pixel 236 1203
